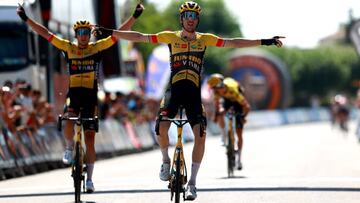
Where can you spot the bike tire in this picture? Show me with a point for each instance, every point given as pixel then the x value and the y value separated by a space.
pixel 230 157
pixel 177 177
pixel 77 172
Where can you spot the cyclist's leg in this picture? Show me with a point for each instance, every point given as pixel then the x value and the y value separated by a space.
pixel 197 120
pixel 71 109
pixel 168 108
pixel 226 105
pixel 239 131
pixel 90 158
pixel 89 110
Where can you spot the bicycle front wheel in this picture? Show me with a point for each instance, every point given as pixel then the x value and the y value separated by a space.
pixel 177 177
pixel 77 170
pixel 230 157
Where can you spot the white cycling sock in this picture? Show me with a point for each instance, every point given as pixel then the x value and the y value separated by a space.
pixel 89 171
pixel 224 135
pixel 194 170
pixel 165 155
pixel 239 154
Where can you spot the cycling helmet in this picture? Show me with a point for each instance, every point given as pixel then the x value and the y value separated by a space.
pixel 215 80
pixel 81 24
pixel 190 6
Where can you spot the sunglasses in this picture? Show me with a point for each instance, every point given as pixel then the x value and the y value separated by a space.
pixel 219 86
pixel 190 14
pixel 82 32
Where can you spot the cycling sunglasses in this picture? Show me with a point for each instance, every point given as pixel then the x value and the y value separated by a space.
pixel 82 32
pixel 219 85
pixel 190 14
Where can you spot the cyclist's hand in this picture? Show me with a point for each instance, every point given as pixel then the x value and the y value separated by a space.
pixel 138 10
pixel 273 41
pixel 21 12
pixel 101 31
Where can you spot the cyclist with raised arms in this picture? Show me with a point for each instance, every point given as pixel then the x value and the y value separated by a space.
pixel 233 96
pixel 83 60
pixel 187 48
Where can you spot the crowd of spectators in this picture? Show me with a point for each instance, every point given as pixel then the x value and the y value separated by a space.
pixel 23 108
pixel 134 107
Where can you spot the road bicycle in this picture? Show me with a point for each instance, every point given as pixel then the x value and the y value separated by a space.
pixel 78 167
pixel 178 171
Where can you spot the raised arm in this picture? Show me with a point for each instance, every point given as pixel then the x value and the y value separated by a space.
pixel 240 43
pixel 127 25
pixel 38 28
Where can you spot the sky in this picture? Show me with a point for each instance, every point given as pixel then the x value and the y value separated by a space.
pixel 302 22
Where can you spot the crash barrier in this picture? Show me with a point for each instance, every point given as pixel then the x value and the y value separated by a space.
pixel 273 118
pixel 26 152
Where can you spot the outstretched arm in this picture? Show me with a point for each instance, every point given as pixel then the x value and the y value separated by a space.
pixel 121 34
pixel 240 43
pixel 41 30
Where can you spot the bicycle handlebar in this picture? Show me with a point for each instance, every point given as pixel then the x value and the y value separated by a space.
pixel 76 119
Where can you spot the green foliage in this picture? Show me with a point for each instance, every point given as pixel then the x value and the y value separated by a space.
pixel 323 71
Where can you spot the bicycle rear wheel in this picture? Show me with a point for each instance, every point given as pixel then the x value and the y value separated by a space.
pixel 77 170
pixel 178 184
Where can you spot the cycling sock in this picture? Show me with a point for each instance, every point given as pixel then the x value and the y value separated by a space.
pixel 223 134
pixel 239 155
pixel 194 170
pixel 165 155
pixel 89 171
pixel 69 144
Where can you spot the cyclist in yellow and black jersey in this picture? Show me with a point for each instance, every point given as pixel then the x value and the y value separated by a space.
pixel 187 49
pixel 83 59
pixel 232 94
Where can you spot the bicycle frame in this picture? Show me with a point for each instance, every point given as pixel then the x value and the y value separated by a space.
pixel 178 169
pixel 78 168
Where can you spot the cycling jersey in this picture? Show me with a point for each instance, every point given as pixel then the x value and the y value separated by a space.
pixel 233 97
pixel 83 69
pixel 186 57
pixel 83 64
pixel 232 93
pixel 186 63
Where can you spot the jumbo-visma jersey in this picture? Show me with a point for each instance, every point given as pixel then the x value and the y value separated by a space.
pixel 232 92
pixel 186 57
pixel 83 64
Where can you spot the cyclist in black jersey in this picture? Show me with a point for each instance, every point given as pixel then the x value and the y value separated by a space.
pixel 187 48
pixel 83 60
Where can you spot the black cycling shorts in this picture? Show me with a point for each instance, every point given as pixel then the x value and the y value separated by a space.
pixel 183 93
pixel 83 101
pixel 238 112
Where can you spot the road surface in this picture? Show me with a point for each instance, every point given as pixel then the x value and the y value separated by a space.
pixel 307 163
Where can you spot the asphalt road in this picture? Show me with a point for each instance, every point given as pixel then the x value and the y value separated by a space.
pixel 307 163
